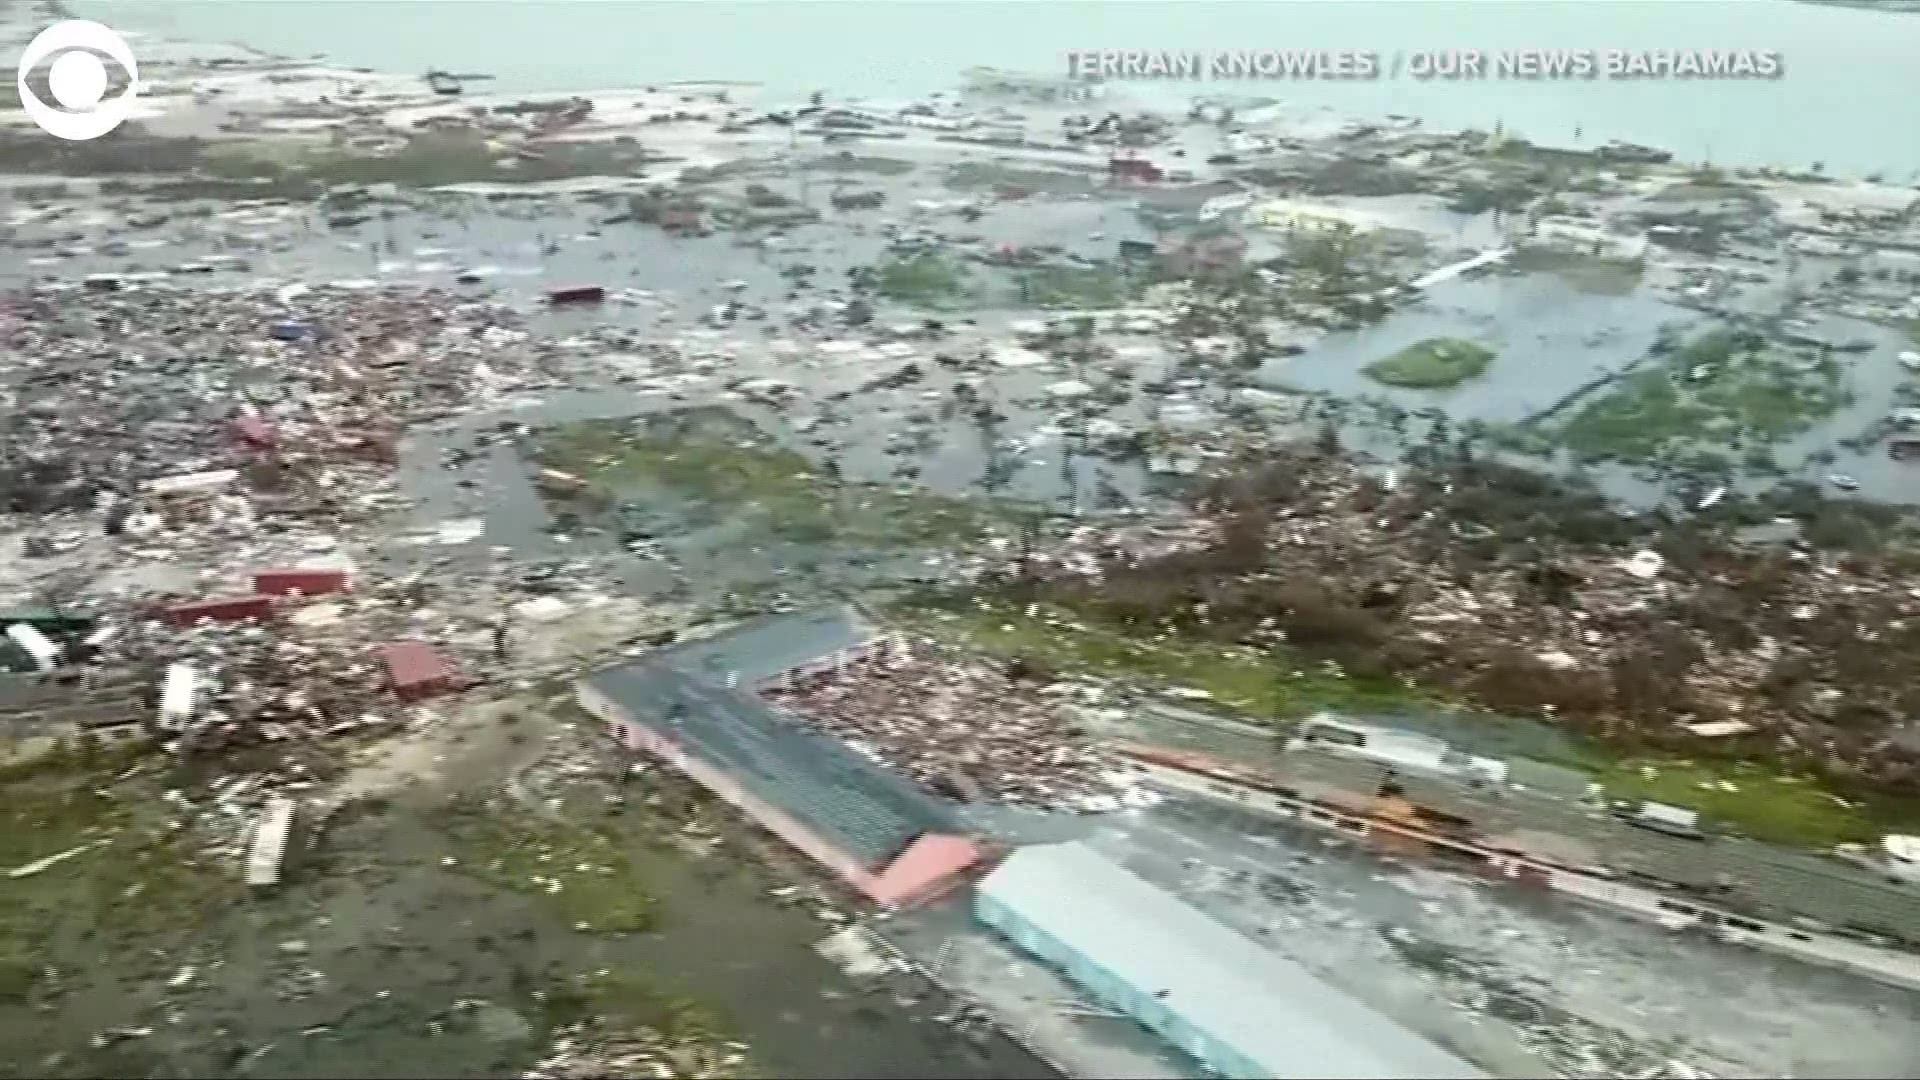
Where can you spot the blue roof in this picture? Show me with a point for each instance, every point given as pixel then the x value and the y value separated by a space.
pixel 1276 1014
pixel 767 646
pixel 859 806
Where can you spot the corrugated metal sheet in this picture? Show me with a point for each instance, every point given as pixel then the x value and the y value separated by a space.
pixel 269 850
pixel 195 483
pixel 46 655
pixel 177 695
pixel 1270 1010
pixel 414 663
pixel 305 580
pixel 765 647
pixel 865 810
pixel 221 609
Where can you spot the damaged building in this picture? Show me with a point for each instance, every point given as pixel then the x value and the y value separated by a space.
pixel 695 709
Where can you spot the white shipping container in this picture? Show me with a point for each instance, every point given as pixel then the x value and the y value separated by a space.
pixel 269 848
pixel 192 483
pixel 1677 817
pixel 177 695
pixel 46 655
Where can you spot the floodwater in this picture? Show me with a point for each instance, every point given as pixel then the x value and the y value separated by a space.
pixel 1551 338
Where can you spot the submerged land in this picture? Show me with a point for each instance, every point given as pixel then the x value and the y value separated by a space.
pixel 1144 427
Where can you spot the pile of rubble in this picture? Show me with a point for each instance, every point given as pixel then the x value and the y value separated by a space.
pixel 583 1052
pixel 1415 577
pixel 963 730
pixel 202 473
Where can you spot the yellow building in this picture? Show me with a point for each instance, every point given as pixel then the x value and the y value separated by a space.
pixel 1290 215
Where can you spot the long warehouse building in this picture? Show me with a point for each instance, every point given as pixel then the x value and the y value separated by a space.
pixel 693 707
pixel 1235 1006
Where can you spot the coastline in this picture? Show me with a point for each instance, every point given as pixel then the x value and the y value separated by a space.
pixel 1750 126
pixel 1885 7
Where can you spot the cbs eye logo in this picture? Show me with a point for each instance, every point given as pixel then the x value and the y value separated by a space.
pixel 78 80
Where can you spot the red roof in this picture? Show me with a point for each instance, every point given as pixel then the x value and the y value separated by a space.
pixel 414 663
pixel 577 294
pixel 220 609
pixel 306 580
pixel 931 866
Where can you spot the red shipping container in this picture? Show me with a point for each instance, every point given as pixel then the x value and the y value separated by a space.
pixel 255 432
pixel 577 294
pixel 307 581
pixel 1135 169
pixel 221 609
pixel 416 670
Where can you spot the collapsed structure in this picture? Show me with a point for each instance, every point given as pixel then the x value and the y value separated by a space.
pixel 694 708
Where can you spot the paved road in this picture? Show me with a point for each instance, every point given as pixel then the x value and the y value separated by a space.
pixel 1764 880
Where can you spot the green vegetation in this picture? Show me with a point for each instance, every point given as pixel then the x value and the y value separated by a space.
pixel 1268 684
pixel 617 997
pixel 1519 439
pixel 304 169
pixel 1075 287
pixel 848 162
pixel 1721 392
pixel 143 877
pixel 1597 274
pixel 928 280
pixel 718 460
pixel 1434 364
pixel 588 877
pixel 1747 798
pixel 1750 799
pixel 971 175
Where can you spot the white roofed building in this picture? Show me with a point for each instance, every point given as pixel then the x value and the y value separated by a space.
pixel 1232 1004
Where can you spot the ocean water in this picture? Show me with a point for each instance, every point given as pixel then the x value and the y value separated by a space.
pixel 1849 98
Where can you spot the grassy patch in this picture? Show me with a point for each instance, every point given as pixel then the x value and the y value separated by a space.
pixel 1271 685
pixel 1755 801
pixel 586 876
pixel 143 878
pixel 715 459
pixel 1596 274
pixel 1075 287
pixel 971 175
pixel 1519 439
pixel 927 280
pixel 618 998
pixel 849 162
pixel 1716 394
pixel 1434 364
pixel 1266 684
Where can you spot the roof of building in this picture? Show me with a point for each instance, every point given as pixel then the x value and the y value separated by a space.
pixel 767 646
pixel 413 663
pixel 1267 1007
pixel 862 808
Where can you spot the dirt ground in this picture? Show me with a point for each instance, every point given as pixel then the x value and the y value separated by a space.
pixel 485 882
